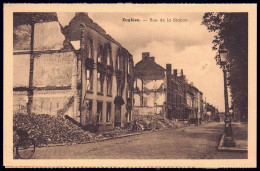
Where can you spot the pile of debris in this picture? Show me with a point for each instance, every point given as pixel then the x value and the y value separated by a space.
pixel 117 131
pixel 47 129
pixel 151 123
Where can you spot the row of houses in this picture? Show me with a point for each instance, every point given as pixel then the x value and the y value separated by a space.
pixel 167 91
pixel 81 73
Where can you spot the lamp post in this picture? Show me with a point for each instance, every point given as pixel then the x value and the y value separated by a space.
pixel 228 142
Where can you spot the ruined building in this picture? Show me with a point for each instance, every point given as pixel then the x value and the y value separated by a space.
pixel 158 90
pixel 149 86
pixel 105 77
pixel 78 72
pixel 44 66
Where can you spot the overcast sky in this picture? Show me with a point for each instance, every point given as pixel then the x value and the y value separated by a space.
pixel 185 45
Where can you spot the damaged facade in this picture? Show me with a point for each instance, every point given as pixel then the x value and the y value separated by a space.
pixel 44 66
pixel 158 90
pixel 77 71
pixel 149 86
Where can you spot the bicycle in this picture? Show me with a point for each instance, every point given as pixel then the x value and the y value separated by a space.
pixel 24 147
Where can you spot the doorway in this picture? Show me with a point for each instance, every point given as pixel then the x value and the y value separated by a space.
pixel 117 115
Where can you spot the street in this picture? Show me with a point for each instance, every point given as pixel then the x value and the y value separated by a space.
pixel 192 142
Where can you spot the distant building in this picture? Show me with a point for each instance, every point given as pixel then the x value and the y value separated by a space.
pixel 175 89
pixel 204 111
pixel 194 108
pixel 200 106
pixel 159 90
pixel 149 86
pixel 211 112
pixel 221 116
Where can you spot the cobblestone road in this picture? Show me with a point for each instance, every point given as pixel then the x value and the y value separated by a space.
pixel 192 142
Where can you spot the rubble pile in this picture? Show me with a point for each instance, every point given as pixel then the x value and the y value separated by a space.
pixel 117 131
pixel 152 122
pixel 47 129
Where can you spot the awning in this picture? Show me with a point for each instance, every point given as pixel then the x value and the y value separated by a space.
pixel 119 100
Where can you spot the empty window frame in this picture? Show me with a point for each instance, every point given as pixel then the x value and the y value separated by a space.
pixel 118 62
pixel 120 87
pixel 99 111
pixel 100 80
pixel 109 57
pixel 88 111
pixel 100 53
pixel 108 114
pixel 89 48
pixel 109 84
pixel 89 80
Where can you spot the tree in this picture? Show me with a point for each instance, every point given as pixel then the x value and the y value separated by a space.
pixel 232 30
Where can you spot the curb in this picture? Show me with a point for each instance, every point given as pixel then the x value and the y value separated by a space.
pixel 229 149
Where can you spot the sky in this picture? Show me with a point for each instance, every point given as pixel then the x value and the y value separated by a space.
pixel 185 45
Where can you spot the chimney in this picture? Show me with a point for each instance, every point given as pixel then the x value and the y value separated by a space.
pixel 152 58
pixel 145 55
pixel 175 72
pixel 169 68
pixel 181 73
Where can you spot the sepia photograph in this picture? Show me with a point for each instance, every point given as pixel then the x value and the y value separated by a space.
pixel 133 85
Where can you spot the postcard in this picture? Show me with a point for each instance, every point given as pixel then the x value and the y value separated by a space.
pixel 130 85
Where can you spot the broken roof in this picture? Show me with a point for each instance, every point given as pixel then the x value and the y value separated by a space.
pixel 72 31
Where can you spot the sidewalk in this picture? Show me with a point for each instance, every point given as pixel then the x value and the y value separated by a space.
pixel 240 136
